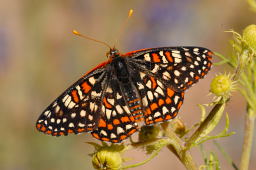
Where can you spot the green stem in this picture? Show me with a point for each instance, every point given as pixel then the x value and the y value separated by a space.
pixel 178 149
pixel 248 136
pixel 204 125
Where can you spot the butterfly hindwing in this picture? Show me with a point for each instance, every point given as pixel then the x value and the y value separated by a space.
pixel 116 122
pixel 160 102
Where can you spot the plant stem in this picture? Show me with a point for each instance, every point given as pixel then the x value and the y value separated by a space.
pixel 204 125
pixel 177 147
pixel 248 136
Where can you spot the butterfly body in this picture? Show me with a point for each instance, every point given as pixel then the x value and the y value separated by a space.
pixel 141 86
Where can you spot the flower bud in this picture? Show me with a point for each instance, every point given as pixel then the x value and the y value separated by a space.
pixel 107 158
pixel 249 35
pixel 221 85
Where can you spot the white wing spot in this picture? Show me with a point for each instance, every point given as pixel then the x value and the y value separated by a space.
pixel 149 84
pixel 119 109
pixel 91 106
pixel 112 136
pixel 176 99
pixel 82 113
pixel 58 121
pixel 157 114
pixel 128 127
pixel 183 68
pixel 108 113
pixel 111 101
pixel 192 74
pixel 114 113
pixel 126 109
pixel 118 96
pixel 67 100
pixel 196 49
pixel 175 55
pixel 47 113
pixel 145 101
pixel 140 86
pixel 64 120
pixel 166 75
pixel 71 125
pixel 147 57
pixel 92 80
pixel 160 91
pixel 90 117
pixel 196 63
pixel 109 90
pixel 81 124
pixel 156 68
pixel 165 110
pixel 160 84
pixel 57 108
pixel 103 132
pixel 95 94
pixel 173 109
pixel 177 60
pixel 119 130
pixel 73 115
pixel 150 95
pixel 71 105
pixel 142 75
pixel 187 54
pixel 177 73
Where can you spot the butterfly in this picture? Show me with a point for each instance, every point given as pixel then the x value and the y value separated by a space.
pixel 111 100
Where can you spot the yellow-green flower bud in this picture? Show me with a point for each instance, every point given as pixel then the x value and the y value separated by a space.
pixel 107 159
pixel 221 85
pixel 249 35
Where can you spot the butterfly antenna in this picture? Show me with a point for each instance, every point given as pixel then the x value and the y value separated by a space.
pixel 89 38
pixel 121 30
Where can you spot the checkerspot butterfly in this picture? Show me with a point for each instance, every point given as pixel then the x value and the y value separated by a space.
pixel 140 86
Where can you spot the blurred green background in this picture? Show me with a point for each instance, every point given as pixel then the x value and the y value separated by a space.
pixel 40 58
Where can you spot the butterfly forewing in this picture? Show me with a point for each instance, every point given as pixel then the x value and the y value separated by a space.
pixel 76 110
pixel 179 67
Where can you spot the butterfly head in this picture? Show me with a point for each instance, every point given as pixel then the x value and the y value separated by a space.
pixel 113 53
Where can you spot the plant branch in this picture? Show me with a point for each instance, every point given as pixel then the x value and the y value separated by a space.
pixel 200 132
pixel 177 147
pixel 248 136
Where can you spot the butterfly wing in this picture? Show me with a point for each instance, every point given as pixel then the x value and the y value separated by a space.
pixel 78 108
pixel 165 73
pixel 117 122
pixel 159 101
pixel 179 67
